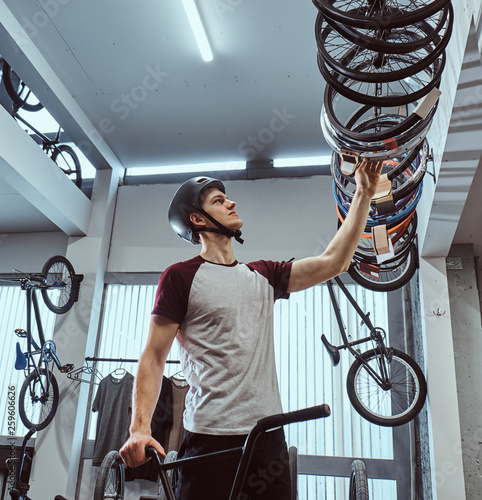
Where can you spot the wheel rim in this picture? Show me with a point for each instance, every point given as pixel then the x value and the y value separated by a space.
pixel 38 404
pixel 111 489
pixel 59 283
pixel 397 401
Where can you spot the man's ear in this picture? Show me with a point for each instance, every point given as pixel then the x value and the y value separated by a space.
pixel 196 218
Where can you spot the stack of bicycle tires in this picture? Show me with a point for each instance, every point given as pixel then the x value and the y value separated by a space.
pixel 382 61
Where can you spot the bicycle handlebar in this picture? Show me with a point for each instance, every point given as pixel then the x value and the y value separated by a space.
pixel 311 413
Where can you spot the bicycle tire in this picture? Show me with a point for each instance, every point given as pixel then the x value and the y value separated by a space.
pixel 15 89
pixel 384 19
pixel 371 94
pixel 401 40
pixel 391 276
pixel 171 476
pixel 59 291
pixel 392 407
pixel 37 410
pixel 358 481
pixel 365 64
pixel 110 483
pixel 293 467
pixel 68 161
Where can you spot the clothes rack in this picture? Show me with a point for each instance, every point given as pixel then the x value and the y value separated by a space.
pixel 122 360
pixel 77 375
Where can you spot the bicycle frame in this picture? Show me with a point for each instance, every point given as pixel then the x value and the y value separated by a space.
pixel 382 380
pixel 44 350
pixel 245 452
pixel 47 144
pixel 22 488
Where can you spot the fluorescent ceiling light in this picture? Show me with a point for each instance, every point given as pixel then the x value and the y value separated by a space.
pixel 302 162
pixel 193 167
pixel 198 30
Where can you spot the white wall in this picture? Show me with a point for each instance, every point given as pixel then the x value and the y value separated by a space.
pixel 283 218
pixel 28 252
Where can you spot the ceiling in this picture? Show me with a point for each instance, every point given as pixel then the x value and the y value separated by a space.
pixel 137 74
pixel 128 78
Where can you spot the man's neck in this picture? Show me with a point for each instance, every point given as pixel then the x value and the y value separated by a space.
pixel 217 249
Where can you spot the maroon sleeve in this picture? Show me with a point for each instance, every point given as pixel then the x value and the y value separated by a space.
pixel 277 273
pixel 173 290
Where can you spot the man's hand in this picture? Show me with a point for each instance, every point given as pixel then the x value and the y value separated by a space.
pixel 133 452
pixel 367 176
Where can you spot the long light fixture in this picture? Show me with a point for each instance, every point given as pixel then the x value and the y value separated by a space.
pixel 192 167
pixel 302 162
pixel 198 29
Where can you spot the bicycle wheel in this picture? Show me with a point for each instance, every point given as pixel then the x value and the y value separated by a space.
pixel 379 16
pixel 60 287
pixel 65 157
pixel 110 481
pixel 399 402
pixel 38 399
pixel 396 40
pixel 358 481
pixel 293 466
pixel 20 94
pixel 386 277
pixel 365 64
pixel 171 475
pixel 404 91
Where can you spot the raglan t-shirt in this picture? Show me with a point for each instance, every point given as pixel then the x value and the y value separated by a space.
pixel 225 317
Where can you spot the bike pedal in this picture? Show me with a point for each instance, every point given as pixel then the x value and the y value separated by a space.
pixel 20 332
pixel 67 368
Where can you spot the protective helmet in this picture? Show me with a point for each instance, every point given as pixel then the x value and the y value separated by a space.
pixel 188 200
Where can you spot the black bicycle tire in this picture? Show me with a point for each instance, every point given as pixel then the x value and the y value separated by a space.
pixel 293 467
pixel 358 481
pixel 24 397
pixel 171 474
pixel 413 67
pixel 77 171
pixel 408 259
pixel 413 408
pixel 111 462
pixel 12 92
pixel 335 80
pixel 68 277
pixel 384 21
pixel 376 43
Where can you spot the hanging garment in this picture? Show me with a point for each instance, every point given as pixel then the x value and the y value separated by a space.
pixel 179 390
pixel 113 404
pixel 161 425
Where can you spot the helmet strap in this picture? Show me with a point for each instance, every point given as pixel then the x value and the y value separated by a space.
pixel 220 229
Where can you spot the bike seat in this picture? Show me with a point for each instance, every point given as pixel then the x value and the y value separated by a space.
pixel 20 360
pixel 332 350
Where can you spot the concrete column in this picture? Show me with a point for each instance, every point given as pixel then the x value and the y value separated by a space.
pixel 442 404
pixel 58 447
pixel 467 338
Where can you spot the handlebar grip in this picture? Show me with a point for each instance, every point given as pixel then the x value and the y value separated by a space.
pixel 294 416
pixel 40 278
pixel 152 452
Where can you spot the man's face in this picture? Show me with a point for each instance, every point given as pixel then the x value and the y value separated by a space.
pixel 217 204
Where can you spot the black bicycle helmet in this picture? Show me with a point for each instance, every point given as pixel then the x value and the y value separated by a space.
pixel 188 200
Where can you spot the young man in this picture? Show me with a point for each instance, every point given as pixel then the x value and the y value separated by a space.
pixel 220 310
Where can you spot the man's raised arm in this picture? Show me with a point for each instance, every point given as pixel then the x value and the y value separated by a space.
pixel 336 259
